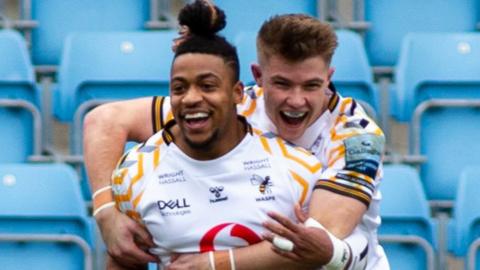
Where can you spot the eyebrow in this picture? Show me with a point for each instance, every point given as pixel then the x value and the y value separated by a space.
pixel 315 80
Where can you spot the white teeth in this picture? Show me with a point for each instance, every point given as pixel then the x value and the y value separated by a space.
pixel 196 115
pixel 294 114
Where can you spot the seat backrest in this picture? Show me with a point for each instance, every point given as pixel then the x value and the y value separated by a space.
pixel 448 140
pixel 42 200
pixel 392 20
pixel 436 65
pixel 249 15
pixel 17 84
pixel 57 18
pixel 113 65
pixel 353 74
pixel 404 212
pixel 466 215
pixel 247 53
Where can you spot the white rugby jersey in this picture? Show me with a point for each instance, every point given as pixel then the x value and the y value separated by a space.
pixel 197 206
pixel 348 144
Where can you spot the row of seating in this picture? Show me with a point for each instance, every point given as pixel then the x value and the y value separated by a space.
pixel 409 234
pixel 51 227
pixel 441 97
pixel 52 20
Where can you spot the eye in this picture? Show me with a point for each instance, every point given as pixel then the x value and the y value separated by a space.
pixel 313 86
pixel 177 88
pixel 281 84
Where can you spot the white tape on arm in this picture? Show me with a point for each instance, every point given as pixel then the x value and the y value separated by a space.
pixel 341 251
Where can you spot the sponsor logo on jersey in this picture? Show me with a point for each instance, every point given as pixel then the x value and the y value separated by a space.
pixel 231 233
pixel 171 178
pixel 217 193
pixel 363 153
pixel 264 187
pixel 176 207
pixel 256 164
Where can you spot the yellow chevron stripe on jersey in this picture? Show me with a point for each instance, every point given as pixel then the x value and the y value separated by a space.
pixel 312 168
pixel 253 104
pixel 303 183
pixel 343 190
pixel 126 197
pixel 137 199
pixel 119 176
pixel 340 154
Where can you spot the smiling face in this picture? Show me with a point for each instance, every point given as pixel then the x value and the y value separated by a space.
pixel 295 93
pixel 203 98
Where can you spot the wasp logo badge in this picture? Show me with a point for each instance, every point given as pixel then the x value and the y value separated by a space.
pixel 264 184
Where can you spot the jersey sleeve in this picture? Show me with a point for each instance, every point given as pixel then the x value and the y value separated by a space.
pixel 161 112
pixel 353 158
pixel 129 177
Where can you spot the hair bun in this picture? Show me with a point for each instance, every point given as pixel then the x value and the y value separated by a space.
pixel 202 18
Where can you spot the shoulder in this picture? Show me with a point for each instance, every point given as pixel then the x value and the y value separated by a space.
pixel 252 99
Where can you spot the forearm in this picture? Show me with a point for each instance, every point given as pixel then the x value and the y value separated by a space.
pixel 261 256
pixel 103 147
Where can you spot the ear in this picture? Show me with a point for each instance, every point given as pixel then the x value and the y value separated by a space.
pixel 257 74
pixel 331 70
pixel 238 92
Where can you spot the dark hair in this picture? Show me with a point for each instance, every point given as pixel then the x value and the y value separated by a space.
pixel 296 37
pixel 204 20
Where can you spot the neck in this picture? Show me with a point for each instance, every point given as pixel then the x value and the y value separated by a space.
pixel 220 144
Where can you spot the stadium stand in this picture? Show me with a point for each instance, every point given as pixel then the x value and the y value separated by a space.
pixel 246 41
pixel 105 66
pixel 43 222
pixel 353 73
pixel 437 87
pixel 248 15
pixel 20 116
pixel 464 229
pixel 407 232
pixel 57 18
pixel 391 20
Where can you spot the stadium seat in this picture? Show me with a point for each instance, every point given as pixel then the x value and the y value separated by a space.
pixel 353 74
pixel 245 42
pixel 20 118
pixel 43 221
pixel 248 15
pixel 57 18
pixel 102 66
pixel 438 78
pixel 407 232
pixel 392 20
pixel 464 230
pixel 436 65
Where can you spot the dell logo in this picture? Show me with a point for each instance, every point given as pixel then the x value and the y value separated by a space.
pixel 173 204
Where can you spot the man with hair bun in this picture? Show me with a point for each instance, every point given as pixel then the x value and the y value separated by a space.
pixel 295 100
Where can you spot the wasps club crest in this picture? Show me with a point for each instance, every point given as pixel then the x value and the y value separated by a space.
pixel 264 184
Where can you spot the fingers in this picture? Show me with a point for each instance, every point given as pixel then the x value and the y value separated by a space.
pixel 142 237
pixel 286 222
pixel 301 216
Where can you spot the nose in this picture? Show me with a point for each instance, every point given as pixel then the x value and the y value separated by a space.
pixel 192 96
pixel 296 98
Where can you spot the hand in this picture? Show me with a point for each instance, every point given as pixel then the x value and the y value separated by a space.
pixel 197 261
pixel 312 246
pixel 127 241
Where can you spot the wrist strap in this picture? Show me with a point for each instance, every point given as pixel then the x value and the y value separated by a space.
pixel 341 256
pixel 102 199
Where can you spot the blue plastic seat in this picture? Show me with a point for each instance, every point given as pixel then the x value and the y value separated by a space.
pixel 57 18
pixel 438 82
pixel 249 15
pixel 353 73
pixel 114 65
pixel 392 20
pixel 407 232
pixel 247 53
pixel 19 100
pixel 464 229
pixel 43 221
pixel 436 65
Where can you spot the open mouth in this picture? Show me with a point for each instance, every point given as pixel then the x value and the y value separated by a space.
pixel 293 118
pixel 195 120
